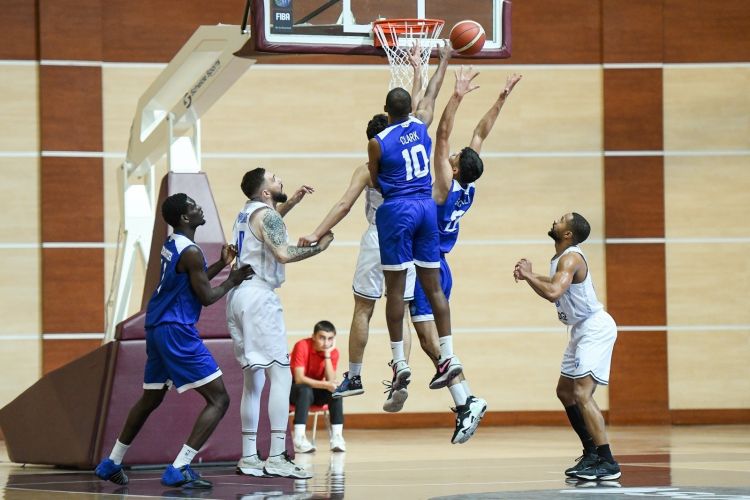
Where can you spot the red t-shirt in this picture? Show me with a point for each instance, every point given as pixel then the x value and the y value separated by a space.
pixel 312 361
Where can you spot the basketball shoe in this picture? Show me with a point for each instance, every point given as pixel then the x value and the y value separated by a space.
pixel 446 370
pixel 587 458
pixel 302 445
pixel 600 470
pixel 250 466
pixel 107 470
pixel 349 387
pixel 396 389
pixel 468 416
pixel 184 477
pixel 337 443
pixel 283 466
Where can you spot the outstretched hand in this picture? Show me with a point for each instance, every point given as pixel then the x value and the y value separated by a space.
pixel 510 82
pixel 465 80
pixel 300 193
pixel 414 56
pixel 446 50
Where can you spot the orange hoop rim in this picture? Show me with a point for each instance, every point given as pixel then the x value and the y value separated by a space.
pixel 401 26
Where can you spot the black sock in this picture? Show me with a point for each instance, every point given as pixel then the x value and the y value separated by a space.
pixel 604 452
pixel 576 420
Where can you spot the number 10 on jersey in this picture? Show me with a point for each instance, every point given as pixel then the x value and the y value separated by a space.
pixel 417 162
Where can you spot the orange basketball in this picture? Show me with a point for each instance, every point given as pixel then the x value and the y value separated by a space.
pixel 467 37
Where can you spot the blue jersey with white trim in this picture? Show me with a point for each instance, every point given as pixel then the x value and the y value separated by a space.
pixel 174 300
pixel 456 204
pixel 405 149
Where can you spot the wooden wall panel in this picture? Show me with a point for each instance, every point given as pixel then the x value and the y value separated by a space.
pixel 61 352
pixel 72 199
pixel 634 190
pixel 154 30
pixel 700 31
pixel 19 200
pixel 559 32
pixel 20 365
pixel 71 29
pixel 71 108
pixel 18 30
pixel 73 290
pixel 20 291
pixel 19 120
pixel 632 31
pixel 639 382
pixel 636 292
pixel 633 109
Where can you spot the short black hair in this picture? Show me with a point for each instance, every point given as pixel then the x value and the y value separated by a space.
pixel 398 102
pixel 580 228
pixel 173 207
pixel 325 326
pixel 378 123
pixel 252 181
pixel 470 166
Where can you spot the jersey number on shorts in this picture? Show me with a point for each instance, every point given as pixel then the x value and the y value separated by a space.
pixel 455 217
pixel 417 162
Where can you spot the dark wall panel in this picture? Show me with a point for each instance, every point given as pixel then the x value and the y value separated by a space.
pixel 72 191
pixel 633 109
pixel 634 194
pixel 71 29
pixel 636 284
pixel 72 290
pixel 18 29
pixel 632 31
pixel 71 108
pixel 700 31
pixel 58 353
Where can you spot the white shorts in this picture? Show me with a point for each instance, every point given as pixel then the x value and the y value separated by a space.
pixel 368 276
pixel 256 324
pixel 589 351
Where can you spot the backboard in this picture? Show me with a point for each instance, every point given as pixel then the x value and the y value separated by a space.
pixel 345 26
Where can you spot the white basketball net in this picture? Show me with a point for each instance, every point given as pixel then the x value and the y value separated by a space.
pixel 397 37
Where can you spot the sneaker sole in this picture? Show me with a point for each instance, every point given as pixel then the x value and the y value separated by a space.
pixel 396 403
pixel 402 377
pixel 338 449
pixel 592 477
pixel 345 394
pixel 289 476
pixel 453 371
pixel 249 472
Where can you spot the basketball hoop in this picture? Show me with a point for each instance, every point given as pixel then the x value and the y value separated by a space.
pixel 397 36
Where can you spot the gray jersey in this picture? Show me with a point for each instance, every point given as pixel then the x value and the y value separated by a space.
pixel 251 250
pixel 373 199
pixel 579 300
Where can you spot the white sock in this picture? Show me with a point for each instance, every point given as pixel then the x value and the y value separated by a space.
pixel 458 393
pixel 337 430
pixel 185 456
pixel 397 348
pixel 278 443
pixel 118 452
pixel 299 431
pixel 465 383
pixel 446 347
pixel 354 369
pixel 249 443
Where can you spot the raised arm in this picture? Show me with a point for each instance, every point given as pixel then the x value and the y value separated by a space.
pixel 416 86
pixel 482 130
pixel 441 159
pixel 373 161
pixel 360 179
pixel 289 204
pixel 191 262
pixel 550 288
pixel 274 236
pixel 426 107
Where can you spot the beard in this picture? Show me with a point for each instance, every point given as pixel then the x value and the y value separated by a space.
pixel 551 234
pixel 279 197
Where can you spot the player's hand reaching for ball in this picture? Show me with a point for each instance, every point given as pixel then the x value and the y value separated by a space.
pixel 300 193
pixel 510 82
pixel 446 50
pixel 465 80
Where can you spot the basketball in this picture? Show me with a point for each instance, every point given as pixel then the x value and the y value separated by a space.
pixel 467 37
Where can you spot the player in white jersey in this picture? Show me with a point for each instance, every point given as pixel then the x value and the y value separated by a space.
pixel 256 321
pixel 368 282
pixel 587 358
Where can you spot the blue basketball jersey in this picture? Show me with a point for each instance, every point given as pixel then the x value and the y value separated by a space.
pixel 405 149
pixel 449 214
pixel 173 300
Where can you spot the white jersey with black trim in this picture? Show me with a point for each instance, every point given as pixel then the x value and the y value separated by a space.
pixel 251 250
pixel 373 199
pixel 579 300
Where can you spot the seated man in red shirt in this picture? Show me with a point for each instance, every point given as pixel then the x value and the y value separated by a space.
pixel 313 364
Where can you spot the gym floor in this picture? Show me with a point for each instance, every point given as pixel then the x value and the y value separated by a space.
pixel 499 462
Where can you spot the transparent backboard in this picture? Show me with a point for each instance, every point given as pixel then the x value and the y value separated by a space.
pixel 345 26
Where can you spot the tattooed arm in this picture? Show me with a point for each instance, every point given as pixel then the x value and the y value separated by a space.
pixel 274 236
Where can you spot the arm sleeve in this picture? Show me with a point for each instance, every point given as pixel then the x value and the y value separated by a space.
pixel 299 355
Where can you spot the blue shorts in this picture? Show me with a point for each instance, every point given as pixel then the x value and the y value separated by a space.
pixel 408 232
pixel 176 355
pixel 420 308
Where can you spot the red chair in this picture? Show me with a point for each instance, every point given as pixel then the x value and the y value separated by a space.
pixel 315 411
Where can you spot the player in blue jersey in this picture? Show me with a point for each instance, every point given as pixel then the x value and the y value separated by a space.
pixel 399 163
pixel 176 354
pixel 453 192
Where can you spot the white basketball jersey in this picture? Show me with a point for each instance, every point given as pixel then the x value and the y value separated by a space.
pixel 579 300
pixel 251 250
pixel 373 199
